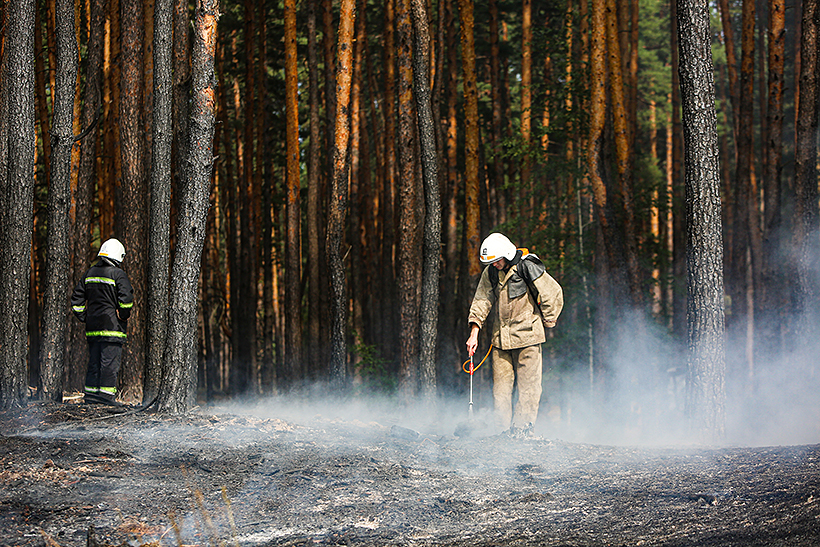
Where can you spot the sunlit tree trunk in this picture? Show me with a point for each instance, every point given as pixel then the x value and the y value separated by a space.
pixel 527 187
pixel 471 185
pixel 17 194
pixel 55 301
pixel 293 249
pixel 409 259
pixel 178 391
pixel 624 209
pixel 338 202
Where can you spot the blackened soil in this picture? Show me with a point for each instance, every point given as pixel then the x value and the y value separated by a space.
pixel 81 475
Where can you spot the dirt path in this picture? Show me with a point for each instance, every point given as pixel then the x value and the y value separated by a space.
pixel 206 479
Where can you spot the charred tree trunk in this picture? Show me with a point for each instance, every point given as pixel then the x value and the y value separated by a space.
pixel 178 391
pixel 706 384
pixel 17 194
pixel 805 176
pixel 338 202
pixel 293 239
pixel 431 255
pixel 159 237
pixel 55 304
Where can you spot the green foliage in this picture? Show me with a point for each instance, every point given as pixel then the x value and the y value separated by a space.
pixel 372 368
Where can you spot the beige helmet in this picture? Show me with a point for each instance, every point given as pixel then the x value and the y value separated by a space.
pixel 112 249
pixel 495 247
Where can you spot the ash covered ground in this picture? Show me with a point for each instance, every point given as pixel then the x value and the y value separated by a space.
pixel 76 475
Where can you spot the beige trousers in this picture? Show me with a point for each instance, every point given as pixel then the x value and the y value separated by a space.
pixel 526 364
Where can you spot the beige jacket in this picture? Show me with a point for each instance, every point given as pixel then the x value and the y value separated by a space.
pixel 517 322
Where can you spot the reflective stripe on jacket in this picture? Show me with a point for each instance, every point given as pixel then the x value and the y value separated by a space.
pixel 98 297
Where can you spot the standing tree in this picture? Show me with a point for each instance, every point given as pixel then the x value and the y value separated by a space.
pixel 409 273
pixel 472 225
pixel 706 373
pixel 17 195
pixel 293 247
pixel 178 388
pixel 55 305
pixel 160 232
pixel 86 181
pixel 337 208
pixel 431 257
pixel 805 176
pixel 133 210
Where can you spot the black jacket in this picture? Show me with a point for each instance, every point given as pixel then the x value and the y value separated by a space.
pixel 104 291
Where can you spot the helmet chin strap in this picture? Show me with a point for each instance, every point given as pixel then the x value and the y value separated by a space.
pixel 110 261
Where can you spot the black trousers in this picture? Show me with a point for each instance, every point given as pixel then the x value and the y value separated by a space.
pixel 103 366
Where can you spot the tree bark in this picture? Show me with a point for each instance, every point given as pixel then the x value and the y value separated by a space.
pixel 706 373
pixel 625 211
pixel 17 192
pixel 431 255
pixel 805 177
pixel 133 213
pixel 314 343
pixel 178 391
pixel 55 300
pixel 338 202
pixel 159 237
pixel 772 302
pixel 293 239
pixel 472 225
pixel 86 181
pixel 527 185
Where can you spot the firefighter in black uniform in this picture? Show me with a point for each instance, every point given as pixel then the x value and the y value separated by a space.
pixel 103 300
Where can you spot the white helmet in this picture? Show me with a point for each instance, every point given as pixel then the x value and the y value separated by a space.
pixel 496 247
pixel 113 250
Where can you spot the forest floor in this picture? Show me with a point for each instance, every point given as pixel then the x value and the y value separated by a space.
pixel 82 475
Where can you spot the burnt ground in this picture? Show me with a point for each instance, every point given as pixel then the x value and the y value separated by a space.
pixel 76 475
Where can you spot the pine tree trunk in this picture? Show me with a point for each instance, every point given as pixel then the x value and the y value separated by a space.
pixel 472 226
pixel 409 271
pixel 431 255
pixel 133 209
pixel 706 384
pixel 314 342
pixel 178 389
pixel 159 239
pixel 17 193
pixel 805 178
pixel 293 254
pixel 772 302
pixel 86 180
pixel 338 202
pixel 55 300
pixel 527 185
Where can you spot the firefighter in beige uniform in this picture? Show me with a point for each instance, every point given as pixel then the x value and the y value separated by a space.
pixel 525 300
